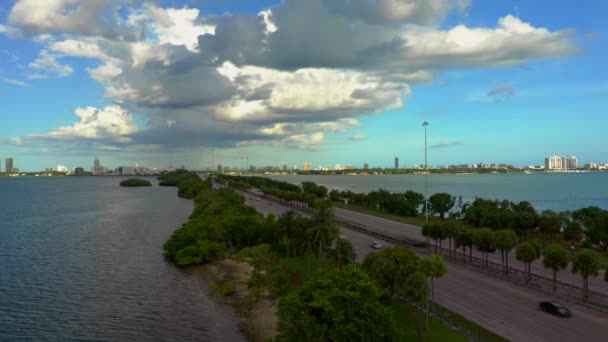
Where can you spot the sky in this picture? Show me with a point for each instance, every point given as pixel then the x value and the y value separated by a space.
pixel 241 82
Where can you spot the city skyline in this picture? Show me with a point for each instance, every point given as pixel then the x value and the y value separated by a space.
pixel 496 83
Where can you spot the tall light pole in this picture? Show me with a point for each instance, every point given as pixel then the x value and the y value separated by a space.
pixel 426 178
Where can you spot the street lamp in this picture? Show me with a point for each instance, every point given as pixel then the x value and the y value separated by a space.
pixel 426 178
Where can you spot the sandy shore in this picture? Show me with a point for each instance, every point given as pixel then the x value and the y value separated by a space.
pixel 256 312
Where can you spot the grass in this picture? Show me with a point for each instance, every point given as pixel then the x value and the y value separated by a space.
pixel 418 221
pixel 410 320
pixel 478 332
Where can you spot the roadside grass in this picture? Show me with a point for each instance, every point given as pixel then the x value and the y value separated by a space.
pixel 410 321
pixel 418 221
pixel 478 333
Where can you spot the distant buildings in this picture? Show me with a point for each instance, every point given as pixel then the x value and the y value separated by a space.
pixel 79 171
pixel 396 162
pixel 98 169
pixel 561 163
pixel 307 167
pixel 9 165
pixel 366 166
pixel 62 168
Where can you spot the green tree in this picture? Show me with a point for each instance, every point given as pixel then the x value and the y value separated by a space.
pixel 527 252
pixel 426 232
pixel 595 221
pixel 343 253
pixel 485 240
pixel 433 267
pixel 464 239
pixel 555 258
pixel 441 203
pixel 573 231
pixel 324 229
pixel 506 240
pixel 414 286
pixel 550 223
pixel 386 265
pixel 340 305
pixel 586 263
pixel 451 229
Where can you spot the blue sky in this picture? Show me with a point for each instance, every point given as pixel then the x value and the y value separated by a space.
pixel 163 83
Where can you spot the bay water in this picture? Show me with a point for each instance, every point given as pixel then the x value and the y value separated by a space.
pixel 81 259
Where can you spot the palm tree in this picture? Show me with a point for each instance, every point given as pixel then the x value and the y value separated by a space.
pixel 433 267
pixel 485 240
pixel 324 230
pixel 586 263
pixel 464 239
pixel 344 253
pixel 555 257
pixel 527 253
pixel 506 240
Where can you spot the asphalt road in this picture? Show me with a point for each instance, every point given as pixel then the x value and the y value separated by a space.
pixel 401 229
pixel 509 310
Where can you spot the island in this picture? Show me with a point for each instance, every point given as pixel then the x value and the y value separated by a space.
pixel 135 182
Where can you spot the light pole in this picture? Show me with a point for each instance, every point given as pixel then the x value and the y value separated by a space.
pixel 426 178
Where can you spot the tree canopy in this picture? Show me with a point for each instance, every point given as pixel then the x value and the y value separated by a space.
pixel 340 305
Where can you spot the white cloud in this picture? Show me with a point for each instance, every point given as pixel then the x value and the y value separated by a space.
pixel 16 82
pixel 512 42
pixel 79 48
pixel 37 16
pixel 177 26
pixel 289 75
pixel 112 123
pixel 2 28
pixel 46 65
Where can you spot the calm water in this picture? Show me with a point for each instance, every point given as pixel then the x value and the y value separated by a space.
pixel 81 259
pixel 559 191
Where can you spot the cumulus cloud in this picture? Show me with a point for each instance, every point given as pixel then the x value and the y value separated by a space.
pixel 112 123
pixel 289 75
pixel 2 28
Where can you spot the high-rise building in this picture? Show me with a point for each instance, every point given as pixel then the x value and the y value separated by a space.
pixel 219 168
pixel 366 166
pixel 9 165
pixel 561 163
pixel 79 171
pixel 396 162
pixel 570 163
pixel 307 167
pixel 97 168
pixel 284 167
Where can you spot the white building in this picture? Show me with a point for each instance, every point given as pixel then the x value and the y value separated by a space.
pixel 62 168
pixel 561 163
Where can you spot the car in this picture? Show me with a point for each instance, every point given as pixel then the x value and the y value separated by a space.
pixel 375 245
pixel 556 309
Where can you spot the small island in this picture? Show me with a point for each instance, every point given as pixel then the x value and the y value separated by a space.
pixel 135 182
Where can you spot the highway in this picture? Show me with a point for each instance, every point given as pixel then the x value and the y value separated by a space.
pixel 507 309
pixel 393 228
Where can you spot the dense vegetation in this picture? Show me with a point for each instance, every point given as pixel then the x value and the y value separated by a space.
pixel 305 265
pixel 135 182
pixel 487 225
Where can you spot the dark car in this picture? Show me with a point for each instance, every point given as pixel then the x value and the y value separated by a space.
pixel 556 309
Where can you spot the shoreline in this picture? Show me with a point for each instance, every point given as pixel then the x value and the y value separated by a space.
pixel 257 318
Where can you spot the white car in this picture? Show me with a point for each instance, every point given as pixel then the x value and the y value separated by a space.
pixel 375 245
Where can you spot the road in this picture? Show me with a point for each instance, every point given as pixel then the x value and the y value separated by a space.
pixel 507 309
pixel 393 228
